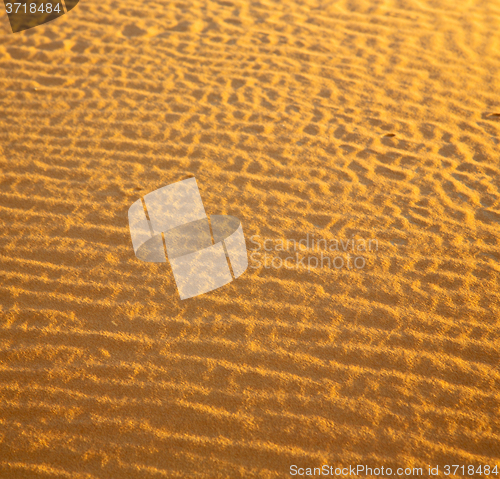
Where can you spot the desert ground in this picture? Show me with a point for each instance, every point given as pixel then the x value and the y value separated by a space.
pixel 343 120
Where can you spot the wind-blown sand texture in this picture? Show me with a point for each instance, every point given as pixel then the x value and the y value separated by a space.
pixel 373 119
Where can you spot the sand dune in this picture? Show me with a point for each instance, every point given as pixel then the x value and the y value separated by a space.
pixel 343 119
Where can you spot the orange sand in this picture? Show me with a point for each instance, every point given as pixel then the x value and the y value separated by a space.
pixel 377 118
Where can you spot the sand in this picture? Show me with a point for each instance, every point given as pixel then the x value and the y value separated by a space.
pixel 341 119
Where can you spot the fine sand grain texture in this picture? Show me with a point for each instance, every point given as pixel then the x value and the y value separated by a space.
pixel 348 120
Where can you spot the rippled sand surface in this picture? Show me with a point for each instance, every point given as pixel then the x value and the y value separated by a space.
pixel 344 119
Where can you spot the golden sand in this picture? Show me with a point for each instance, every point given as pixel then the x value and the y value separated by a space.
pixel 366 119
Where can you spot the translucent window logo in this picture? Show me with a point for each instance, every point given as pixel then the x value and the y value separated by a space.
pixel 28 14
pixel 171 222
